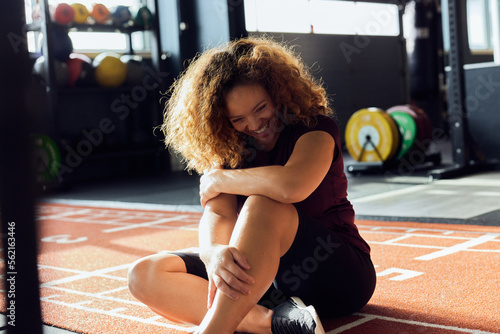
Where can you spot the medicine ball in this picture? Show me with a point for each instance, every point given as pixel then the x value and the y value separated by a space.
pixel 80 70
pixel 62 46
pixel 144 18
pixel 63 14
pixel 100 13
pixel 60 71
pixel 110 71
pixel 121 15
pixel 81 13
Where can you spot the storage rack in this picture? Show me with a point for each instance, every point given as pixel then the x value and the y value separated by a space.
pixel 53 93
pixel 466 155
pixel 467 158
pixel 428 160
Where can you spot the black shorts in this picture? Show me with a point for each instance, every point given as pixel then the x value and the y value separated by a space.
pixel 320 268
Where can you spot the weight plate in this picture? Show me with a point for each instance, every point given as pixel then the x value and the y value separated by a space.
pixel 371 135
pixel 424 126
pixel 408 130
pixel 47 159
pixel 395 134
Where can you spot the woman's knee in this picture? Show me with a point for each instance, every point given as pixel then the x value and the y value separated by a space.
pixel 138 276
pixel 143 273
pixel 266 207
pixel 270 216
pixel 258 202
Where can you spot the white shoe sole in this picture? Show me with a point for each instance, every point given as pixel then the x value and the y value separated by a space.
pixel 319 327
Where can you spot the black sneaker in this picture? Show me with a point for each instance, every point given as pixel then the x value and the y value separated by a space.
pixel 293 316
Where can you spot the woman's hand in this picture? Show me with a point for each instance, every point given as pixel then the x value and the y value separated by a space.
pixel 208 184
pixel 226 269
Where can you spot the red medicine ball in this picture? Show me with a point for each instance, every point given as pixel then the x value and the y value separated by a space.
pixel 80 70
pixel 64 13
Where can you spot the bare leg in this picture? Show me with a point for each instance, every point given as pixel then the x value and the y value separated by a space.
pixel 160 281
pixel 265 230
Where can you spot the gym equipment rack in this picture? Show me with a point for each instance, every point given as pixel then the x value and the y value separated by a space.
pixel 60 103
pixel 467 158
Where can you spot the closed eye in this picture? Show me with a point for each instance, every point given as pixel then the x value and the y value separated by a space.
pixel 262 107
pixel 236 120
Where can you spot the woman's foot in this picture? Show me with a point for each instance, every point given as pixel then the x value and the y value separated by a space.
pixel 293 316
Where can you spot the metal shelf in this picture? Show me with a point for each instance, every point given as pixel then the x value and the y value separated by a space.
pixel 88 27
pixel 58 97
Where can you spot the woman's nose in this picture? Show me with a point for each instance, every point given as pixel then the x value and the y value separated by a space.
pixel 253 123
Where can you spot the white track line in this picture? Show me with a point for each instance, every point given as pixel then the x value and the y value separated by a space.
pixel 94 297
pixel 146 224
pixel 153 207
pixel 115 313
pixel 409 322
pixel 88 274
pixel 126 205
pixel 391 193
pixel 62 215
pixel 353 324
pixel 125 223
pixel 487 193
pixel 470 182
pixel 403 237
pixel 383 243
pixel 460 247
pixel 380 229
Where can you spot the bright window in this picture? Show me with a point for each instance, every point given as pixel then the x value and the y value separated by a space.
pixel 478 24
pixel 482 24
pixel 322 17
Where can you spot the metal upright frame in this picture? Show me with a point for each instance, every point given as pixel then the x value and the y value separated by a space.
pixel 466 157
pixel 457 113
pixel 17 195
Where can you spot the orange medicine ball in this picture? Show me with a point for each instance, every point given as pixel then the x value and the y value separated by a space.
pixel 100 13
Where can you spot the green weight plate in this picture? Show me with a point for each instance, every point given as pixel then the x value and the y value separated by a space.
pixel 408 129
pixel 47 159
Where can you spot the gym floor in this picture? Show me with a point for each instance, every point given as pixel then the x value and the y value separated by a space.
pixel 470 199
pixel 408 195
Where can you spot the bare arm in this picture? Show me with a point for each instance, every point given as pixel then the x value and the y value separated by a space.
pixel 291 183
pixel 225 264
pixel 217 222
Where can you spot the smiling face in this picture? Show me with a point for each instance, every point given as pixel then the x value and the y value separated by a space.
pixel 252 112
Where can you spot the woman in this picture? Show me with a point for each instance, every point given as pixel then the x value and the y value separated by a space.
pixel 277 231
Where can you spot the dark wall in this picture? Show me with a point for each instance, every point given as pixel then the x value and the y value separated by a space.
pixel 358 71
pixel 168 14
pixel 482 101
pixel 190 26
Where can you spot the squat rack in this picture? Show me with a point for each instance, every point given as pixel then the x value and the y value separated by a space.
pixel 467 157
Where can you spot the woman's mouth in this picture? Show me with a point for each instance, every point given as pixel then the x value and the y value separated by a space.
pixel 262 130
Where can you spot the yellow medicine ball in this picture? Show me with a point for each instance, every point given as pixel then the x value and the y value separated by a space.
pixel 81 13
pixel 110 71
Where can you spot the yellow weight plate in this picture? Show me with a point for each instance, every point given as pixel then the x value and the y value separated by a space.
pixel 371 135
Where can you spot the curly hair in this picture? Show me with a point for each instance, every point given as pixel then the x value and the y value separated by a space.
pixel 195 122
